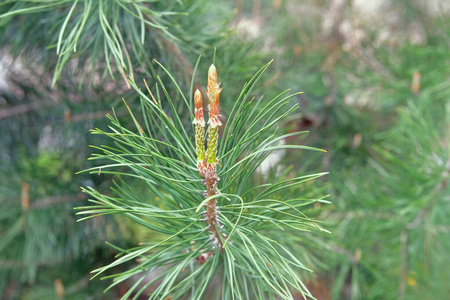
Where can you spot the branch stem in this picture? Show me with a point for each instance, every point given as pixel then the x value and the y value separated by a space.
pixel 211 207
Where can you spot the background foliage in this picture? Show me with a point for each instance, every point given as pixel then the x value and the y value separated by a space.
pixel 387 135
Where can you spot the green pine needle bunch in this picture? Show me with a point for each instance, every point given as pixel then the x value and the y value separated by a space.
pixel 244 250
pixel 77 27
pixel 108 37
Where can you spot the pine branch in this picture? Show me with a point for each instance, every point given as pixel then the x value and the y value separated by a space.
pixel 171 162
pixel 114 36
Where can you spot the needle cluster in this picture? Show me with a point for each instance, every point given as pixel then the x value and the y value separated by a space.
pixel 252 245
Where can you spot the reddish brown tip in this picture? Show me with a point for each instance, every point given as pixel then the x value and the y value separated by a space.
pixel 198 99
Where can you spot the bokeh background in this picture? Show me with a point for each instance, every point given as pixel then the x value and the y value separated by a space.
pixel 376 83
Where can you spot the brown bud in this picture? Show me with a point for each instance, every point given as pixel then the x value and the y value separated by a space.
pixel 25 196
pixel 415 83
pixel 59 288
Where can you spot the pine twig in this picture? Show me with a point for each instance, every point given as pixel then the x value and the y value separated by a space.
pixel 207 166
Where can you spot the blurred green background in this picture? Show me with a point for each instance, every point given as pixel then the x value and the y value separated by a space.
pixel 376 83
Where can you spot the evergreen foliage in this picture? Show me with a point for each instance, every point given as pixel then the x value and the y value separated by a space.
pixel 375 97
pixel 111 37
pixel 255 219
pixel 380 108
pixel 44 125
